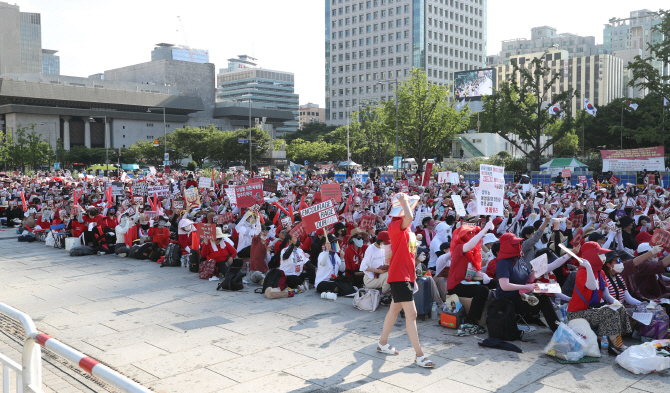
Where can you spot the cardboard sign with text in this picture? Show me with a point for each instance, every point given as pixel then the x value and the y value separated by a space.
pixel 447 177
pixel 178 205
pixel 161 191
pixel 269 185
pixel 206 231
pixel 577 220
pixel 614 180
pixel 205 182
pixel 367 222
pixel 298 230
pixel 138 200
pixel 577 238
pixel 318 216
pixel 248 194
pixel 660 238
pixel 331 191
pixel 404 186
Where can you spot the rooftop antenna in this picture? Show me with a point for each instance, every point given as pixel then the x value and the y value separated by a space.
pixel 183 31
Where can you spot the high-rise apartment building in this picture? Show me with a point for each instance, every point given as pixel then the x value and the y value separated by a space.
pixel 544 37
pixel 50 62
pixel 599 78
pixel 376 40
pixel 266 89
pixel 311 113
pixel 176 52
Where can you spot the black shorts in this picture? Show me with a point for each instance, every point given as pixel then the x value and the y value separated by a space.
pixel 402 291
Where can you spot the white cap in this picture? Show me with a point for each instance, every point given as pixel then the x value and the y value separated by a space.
pixel 643 247
pixel 489 238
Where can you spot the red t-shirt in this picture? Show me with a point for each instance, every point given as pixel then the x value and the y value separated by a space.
pixel 353 258
pixel 576 302
pixel 459 267
pixel 78 228
pixel 491 268
pixel 221 255
pixel 403 246
pixel 160 236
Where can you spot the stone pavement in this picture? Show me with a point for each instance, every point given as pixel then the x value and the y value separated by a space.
pixel 172 332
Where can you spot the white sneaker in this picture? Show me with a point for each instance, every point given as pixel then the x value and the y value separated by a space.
pixel 100 253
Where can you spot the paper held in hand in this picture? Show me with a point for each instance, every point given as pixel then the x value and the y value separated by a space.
pixel 547 287
pixel 397 210
pixel 458 205
pixel 539 265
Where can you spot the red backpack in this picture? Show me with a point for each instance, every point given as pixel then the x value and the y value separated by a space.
pixel 207 269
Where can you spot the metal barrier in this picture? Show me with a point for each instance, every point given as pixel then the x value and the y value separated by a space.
pixel 29 373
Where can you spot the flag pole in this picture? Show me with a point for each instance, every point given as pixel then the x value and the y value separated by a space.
pixel 621 126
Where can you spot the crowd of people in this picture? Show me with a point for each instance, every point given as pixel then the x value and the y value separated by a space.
pixel 604 245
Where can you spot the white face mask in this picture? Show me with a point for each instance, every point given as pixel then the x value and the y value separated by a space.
pixel 618 268
pixel 358 242
pixel 124 220
pixel 422 257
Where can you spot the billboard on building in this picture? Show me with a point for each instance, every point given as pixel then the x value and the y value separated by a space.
pixel 472 85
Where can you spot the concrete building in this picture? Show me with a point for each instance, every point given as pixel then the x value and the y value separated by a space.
pixel 311 113
pixel 599 78
pixel 545 37
pixel 371 41
pixel 268 89
pixel 20 41
pixel 50 62
pixel 628 37
pixel 472 145
pixel 177 52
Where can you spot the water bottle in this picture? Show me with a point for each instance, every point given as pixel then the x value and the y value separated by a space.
pixel 433 311
pixel 604 347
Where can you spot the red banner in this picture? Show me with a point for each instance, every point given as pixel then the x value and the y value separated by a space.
pixel 614 180
pixel 249 194
pixel 660 238
pixel 319 216
pixel 426 176
pixel 404 186
pixel 331 191
pixel 206 231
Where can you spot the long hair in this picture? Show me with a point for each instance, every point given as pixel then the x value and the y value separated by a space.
pixel 462 236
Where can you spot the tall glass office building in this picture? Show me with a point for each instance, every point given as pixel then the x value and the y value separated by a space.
pixel 374 40
pixel 176 52
pixel 50 62
pixel 267 89
pixel 31 43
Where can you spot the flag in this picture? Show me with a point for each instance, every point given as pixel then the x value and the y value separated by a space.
pixel 554 109
pixel 589 108
pixel 631 105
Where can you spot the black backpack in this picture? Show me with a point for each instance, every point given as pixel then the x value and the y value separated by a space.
pixel 194 261
pixel 172 256
pixel 272 278
pixel 501 321
pixel 232 281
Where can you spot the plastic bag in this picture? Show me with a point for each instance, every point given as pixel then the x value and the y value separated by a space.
pixel 566 341
pixel 581 327
pixel 642 359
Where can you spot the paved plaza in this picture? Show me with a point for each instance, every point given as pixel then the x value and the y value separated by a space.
pixel 172 332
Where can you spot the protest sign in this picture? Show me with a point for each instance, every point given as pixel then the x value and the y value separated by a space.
pixel 161 191
pixel 192 197
pixel 447 177
pixel 138 200
pixel 230 192
pixel 205 182
pixel 286 222
pixel 140 188
pixel 367 222
pixel 248 194
pixel 491 190
pixel 150 215
pixel 206 231
pixel 458 205
pixel 427 174
pixel 577 220
pixel 178 205
pixel 565 172
pixel 404 186
pixel 651 178
pixel 660 238
pixel 577 238
pixel 582 179
pixel 331 191
pixel 298 230
pixel 614 180
pixel 269 185
pixel 117 187
pixel 318 216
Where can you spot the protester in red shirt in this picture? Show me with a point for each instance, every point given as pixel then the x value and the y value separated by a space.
pixel 402 277
pixel 353 257
pixel 221 252
pixel 159 233
pixel 110 221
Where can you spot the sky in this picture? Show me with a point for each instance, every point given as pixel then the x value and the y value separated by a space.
pixel 97 35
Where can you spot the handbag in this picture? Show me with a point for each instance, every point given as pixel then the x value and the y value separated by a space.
pixel 367 299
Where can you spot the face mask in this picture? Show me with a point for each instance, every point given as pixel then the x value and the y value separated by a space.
pixel 422 257
pixel 94 199
pixel 124 220
pixel 618 268
pixel 161 224
pixel 358 242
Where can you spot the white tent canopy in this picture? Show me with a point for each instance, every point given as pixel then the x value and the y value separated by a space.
pixel 351 164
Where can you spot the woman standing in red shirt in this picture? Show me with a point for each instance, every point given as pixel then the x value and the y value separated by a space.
pixel 402 278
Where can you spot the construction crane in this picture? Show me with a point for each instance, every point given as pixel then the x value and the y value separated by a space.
pixel 183 32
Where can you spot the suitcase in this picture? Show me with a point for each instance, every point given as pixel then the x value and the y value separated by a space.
pixel 423 298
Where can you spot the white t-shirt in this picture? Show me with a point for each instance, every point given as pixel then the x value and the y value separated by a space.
pixel 374 257
pixel 294 264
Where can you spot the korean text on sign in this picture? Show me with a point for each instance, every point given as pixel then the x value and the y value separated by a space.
pixel 491 190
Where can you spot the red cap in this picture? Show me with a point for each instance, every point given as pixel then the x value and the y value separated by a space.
pixel 384 236
pixel 510 238
pixel 497 220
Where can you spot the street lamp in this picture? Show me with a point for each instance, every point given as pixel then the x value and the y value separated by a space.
pixel 164 129
pixel 92 118
pixel 56 149
pixel 249 99
pixel 389 81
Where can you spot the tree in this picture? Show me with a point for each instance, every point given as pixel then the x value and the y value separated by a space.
pixel 29 149
pixel 568 146
pixel 516 112
pixel 193 141
pixel 260 144
pixel 300 151
pixel 310 132
pixel 375 138
pixel 644 73
pixel 425 118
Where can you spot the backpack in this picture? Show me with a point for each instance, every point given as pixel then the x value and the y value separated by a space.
pixel 232 281
pixel 172 256
pixel 658 328
pixel 501 320
pixel 275 261
pixel 207 269
pixel 133 251
pixel 79 251
pixel 274 278
pixel 194 261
